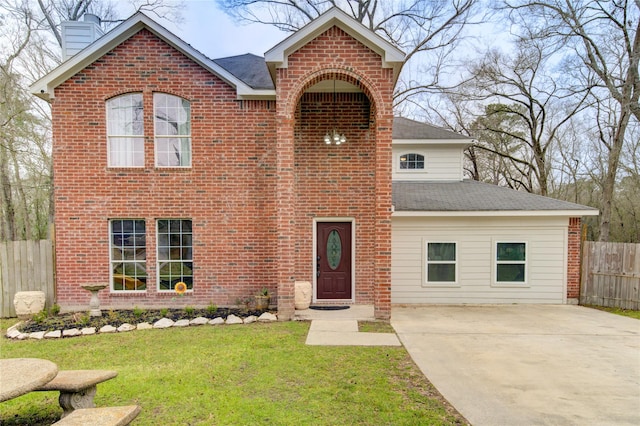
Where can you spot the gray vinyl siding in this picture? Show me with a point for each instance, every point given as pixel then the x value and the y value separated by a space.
pixel 475 238
pixel 442 163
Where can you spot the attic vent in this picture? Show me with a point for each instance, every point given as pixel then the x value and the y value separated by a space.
pixel 76 35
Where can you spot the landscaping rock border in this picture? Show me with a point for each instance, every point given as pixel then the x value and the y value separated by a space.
pixel 14 333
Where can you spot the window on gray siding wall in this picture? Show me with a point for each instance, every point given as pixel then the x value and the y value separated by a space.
pixel 175 253
pixel 172 122
pixel 125 131
pixel 128 255
pixel 511 262
pixel 412 161
pixel 441 262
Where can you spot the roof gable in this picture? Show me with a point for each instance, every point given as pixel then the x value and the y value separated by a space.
pixel 45 87
pixel 277 56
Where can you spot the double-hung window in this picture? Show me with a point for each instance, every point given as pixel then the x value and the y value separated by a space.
pixel 175 253
pixel 511 262
pixel 125 131
pixel 441 263
pixel 172 123
pixel 128 255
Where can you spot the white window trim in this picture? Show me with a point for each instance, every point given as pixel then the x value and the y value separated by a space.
pixel 111 260
pixel 156 136
pixel 425 265
pixel 494 267
pixel 109 136
pixel 157 263
pixel 403 153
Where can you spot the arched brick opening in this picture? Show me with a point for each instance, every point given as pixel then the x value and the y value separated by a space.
pixel 322 181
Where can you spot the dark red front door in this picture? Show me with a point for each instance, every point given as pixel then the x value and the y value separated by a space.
pixel 333 268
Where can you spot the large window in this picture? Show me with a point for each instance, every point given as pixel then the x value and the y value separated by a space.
pixel 172 122
pixel 412 161
pixel 175 253
pixel 441 263
pixel 128 255
pixel 125 131
pixel 511 262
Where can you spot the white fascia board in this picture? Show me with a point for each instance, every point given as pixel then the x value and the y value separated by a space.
pixel 498 213
pixel 45 87
pixel 391 55
pixel 465 142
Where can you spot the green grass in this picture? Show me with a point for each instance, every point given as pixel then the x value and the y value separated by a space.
pixel 618 311
pixel 237 375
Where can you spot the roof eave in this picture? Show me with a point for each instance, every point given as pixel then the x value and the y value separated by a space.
pixel 449 142
pixel 45 87
pixel 494 213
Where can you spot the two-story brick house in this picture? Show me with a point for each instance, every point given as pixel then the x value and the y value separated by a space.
pixel 240 173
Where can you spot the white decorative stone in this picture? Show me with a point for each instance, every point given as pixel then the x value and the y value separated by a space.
pixel 163 323
pixel 71 332
pixel 87 331
pixel 217 321
pixel 250 319
pixel 144 326
pixel 38 335
pixel 13 333
pixel 53 334
pixel 181 323
pixel 302 295
pixel 267 317
pixel 199 321
pixel 28 303
pixel 126 327
pixel 232 319
pixel 108 329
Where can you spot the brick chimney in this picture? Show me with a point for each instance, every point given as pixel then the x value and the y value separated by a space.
pixel 76 35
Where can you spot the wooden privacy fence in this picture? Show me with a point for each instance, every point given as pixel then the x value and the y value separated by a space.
pixel 25 266
pixel 610 275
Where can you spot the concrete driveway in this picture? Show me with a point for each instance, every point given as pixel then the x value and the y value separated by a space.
pixel 528 364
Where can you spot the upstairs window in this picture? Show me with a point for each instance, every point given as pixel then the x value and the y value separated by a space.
pixel 125 131
pixel 412 161
pixel 511 262
pixel 172 123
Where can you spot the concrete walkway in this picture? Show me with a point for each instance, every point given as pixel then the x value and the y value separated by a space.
pixel 528 364
pixel 340 328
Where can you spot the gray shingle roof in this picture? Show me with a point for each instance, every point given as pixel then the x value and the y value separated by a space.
pixel 470 195
pixel 251 69
pixel 403 128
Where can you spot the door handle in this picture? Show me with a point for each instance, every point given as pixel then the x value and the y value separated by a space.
pixel 318 266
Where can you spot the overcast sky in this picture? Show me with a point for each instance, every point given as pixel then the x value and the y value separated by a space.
pixel 213 33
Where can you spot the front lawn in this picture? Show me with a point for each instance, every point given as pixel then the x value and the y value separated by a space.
pixel 237 375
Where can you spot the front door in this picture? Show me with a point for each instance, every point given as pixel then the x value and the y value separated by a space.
pixel 333 261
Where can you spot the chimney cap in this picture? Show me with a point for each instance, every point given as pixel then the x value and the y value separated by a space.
pixel 89 17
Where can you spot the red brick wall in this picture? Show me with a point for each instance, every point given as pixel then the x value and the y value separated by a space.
pixel 228 192
pixel 335 181
pixel 357 176
pixel 574 257
pixel 260 174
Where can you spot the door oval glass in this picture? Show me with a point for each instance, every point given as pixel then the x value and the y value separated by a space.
pixel 334 249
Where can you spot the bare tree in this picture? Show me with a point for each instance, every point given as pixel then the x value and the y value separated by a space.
pixel 531 109
pixel 29 48
pixel 602 42
pixel 427 31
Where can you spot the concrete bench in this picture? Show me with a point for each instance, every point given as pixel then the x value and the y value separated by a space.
pixel 103 416
pixel 77 388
